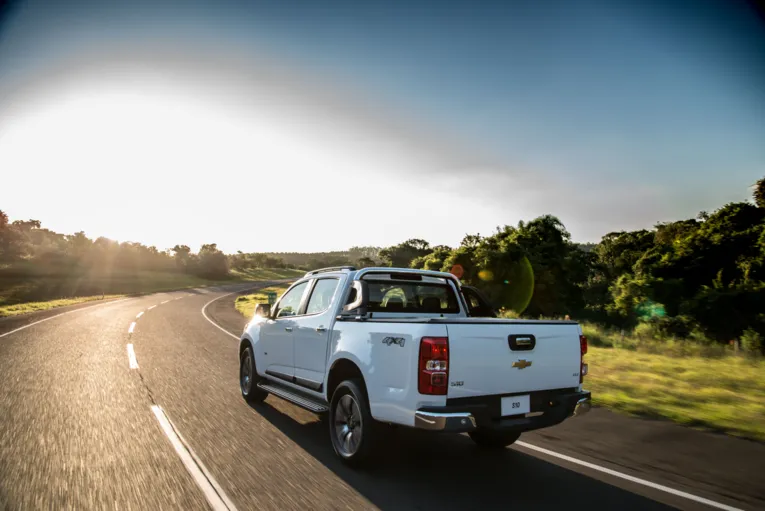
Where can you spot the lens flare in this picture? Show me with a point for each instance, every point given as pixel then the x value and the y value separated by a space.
pixel 514 286
pixel 486 275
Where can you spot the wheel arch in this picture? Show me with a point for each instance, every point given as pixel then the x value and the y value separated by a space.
pixel 244 342
pixel 343 369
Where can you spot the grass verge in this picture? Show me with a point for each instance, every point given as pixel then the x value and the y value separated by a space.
pixel 726 394
pixel 24 293
pixel 257 274
pixel 245 304
pixel 24 308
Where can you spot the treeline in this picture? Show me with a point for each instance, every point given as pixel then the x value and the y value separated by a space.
pixel 355 256
pixel 27 248
pixel 700 278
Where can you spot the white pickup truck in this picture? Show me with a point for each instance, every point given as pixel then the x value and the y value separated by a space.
pixel 413 348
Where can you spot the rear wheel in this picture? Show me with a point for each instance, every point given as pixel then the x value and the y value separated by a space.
pixel 493 440
pixel 248 378
pixel 351 426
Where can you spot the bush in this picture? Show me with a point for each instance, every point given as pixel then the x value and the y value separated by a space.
pixel 676 326
pixel 751 342
pixel 508 313
pixel 597 336
pixel 648 331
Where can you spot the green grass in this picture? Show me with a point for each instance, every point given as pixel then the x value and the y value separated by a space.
pixel 21 296
pixel 258 274
pixel 648 341
pixel 725 393
pixel 245 304
pixel 44 288
pixel 27 288
pixel 24 308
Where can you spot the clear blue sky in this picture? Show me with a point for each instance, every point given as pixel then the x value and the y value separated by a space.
pixel 424 119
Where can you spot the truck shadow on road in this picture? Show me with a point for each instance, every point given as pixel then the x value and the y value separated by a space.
pixel 419 470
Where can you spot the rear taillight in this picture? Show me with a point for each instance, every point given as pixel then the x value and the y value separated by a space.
pixel 583 351
pixel 433 369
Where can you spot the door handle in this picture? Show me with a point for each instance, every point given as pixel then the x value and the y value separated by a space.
pixel 321 329
pixel 288 328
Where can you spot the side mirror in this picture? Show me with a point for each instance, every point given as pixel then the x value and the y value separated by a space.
pixel 263 310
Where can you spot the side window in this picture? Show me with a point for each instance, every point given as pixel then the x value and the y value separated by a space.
pixel 290 302
pixel 321 296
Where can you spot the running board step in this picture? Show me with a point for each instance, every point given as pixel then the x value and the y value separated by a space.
pixel 309 403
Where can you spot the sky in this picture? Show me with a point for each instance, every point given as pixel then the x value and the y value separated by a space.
pixel 311 126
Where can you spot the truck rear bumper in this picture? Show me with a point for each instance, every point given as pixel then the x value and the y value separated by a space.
pixel 481 413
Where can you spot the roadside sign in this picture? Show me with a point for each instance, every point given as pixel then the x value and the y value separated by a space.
pixel 271 295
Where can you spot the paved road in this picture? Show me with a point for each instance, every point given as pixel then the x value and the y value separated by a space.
pixel 80 429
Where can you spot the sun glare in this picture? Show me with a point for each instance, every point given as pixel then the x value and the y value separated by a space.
pixel 159 166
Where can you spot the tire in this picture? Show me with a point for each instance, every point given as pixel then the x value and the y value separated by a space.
pixel 348 416
pixel 493 440
pixel 248 378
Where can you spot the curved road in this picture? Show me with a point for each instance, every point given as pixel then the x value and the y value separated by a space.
pixel 88 423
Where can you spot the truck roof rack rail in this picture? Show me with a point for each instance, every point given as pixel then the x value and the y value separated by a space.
pixel 331 268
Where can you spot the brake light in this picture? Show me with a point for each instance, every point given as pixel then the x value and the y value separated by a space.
pixel 583 368
pixel 433 367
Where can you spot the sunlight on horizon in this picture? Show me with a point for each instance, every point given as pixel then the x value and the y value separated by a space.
pixel 162 167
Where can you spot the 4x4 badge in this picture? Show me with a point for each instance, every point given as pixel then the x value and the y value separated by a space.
pixel 521 364
pixel 394 340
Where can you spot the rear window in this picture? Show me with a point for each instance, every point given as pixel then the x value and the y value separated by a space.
pixel 387 296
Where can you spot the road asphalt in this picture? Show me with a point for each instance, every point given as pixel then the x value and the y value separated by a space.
pixel 79 429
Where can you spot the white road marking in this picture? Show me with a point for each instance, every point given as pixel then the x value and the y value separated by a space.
pixel 630 478
pixel 151 307
pixel 212 490
pixel 164 302
pixel 213 323
pixel 132 327
pixel 131 357
pixel 62 314
pixel 139 315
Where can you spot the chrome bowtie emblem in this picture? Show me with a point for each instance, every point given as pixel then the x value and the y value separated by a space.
pixel 521 364
pixel 393 340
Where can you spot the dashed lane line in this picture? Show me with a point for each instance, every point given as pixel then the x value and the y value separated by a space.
pixel 132 361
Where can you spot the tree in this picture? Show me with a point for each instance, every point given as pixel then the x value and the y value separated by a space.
pixel 182 257
pixel 402 255
pixel 759 193
pixel 618 252
pixel 365 262
pixel 433 261
pixel 8 240
pixel 533 268
pixel 212 262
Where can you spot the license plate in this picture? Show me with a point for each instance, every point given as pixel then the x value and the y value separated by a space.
pixel 514 405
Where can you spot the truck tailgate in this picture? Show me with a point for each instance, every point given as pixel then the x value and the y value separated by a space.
pixel 482 358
